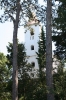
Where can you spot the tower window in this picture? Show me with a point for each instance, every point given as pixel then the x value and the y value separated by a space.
pixel 32 47
pixel 32 31
pixel 33 64
pixel 32 37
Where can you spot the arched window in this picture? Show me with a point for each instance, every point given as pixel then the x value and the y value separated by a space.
pixel 33 64
pixel 31 31
pixel 32 47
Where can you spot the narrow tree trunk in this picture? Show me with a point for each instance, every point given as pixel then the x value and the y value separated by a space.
pixel 49 77
pixel 15 68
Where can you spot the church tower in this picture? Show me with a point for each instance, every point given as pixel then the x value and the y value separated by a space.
pixel 32 32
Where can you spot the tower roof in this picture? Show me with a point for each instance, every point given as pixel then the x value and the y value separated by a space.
pixel 33 20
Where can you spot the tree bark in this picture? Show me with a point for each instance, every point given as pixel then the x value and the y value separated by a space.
pixel 49 77
pixel 15 67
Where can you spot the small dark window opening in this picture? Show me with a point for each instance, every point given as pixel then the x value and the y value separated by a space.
pixel 32 47
pixel 33 64
pixel 32 33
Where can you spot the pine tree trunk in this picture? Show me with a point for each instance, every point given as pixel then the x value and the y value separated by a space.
pixel 49 77
pixel 15 67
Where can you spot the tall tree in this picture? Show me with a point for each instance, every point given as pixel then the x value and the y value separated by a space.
pixel 49 77
pixel 41 58
pixel 41 54
pixel 15 66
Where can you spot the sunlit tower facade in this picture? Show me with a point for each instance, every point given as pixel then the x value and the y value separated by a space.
pixel 32 33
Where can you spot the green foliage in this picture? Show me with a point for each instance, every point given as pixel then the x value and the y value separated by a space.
pixel 33 90
pixel 41 52
pixel 28 88
pixel 9 9
pixel 40 92
pixel 21 55
pixel 23 68
pixel 4 75
pixel 59 83
pixel 3 68
pixel 60 30
pixel 59 38
pixel 16 11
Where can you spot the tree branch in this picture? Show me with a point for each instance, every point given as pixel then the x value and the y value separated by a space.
pixel 11 17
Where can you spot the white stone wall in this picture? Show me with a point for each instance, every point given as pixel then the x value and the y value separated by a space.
pixel 33 59
pixel 32 40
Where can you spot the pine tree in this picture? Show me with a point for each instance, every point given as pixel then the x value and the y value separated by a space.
pixel 21 55
pixel 41 53
pixel 49 76
pixel 41 58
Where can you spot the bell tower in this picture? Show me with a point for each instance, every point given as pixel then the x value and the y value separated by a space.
pixel 32 32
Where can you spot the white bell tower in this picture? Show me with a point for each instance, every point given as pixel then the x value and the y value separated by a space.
pixel 32 32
